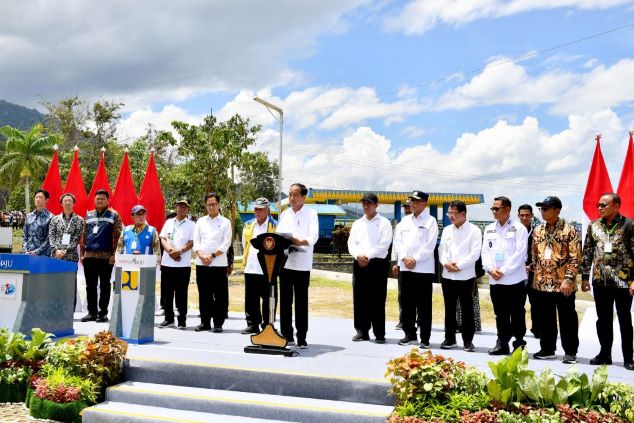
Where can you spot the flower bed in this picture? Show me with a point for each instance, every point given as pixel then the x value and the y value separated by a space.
pixel 432 388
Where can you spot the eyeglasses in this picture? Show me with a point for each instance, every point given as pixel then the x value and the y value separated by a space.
pixel 497 209
pixel 601 205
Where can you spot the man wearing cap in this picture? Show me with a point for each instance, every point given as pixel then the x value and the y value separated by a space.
pixel 177 239
pixel 212 238
pixel 97 250
pixel 407 210
pixel 556 253
pixel 368 244
pixel 36 226
pixel 415 241
pixel 301 225
pixel 459 249
pixel 608 252
pixel 140 238
pixel 256 285
pixel 504 259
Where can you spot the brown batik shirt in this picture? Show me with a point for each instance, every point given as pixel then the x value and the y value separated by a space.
pixel 562 262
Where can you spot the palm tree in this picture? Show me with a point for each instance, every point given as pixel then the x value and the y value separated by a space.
pixel 26 155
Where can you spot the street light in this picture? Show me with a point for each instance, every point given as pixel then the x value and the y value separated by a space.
pixel 279 110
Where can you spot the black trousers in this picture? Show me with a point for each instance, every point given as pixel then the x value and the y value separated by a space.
pixel 605 298
pixel 454 291
pixel 294 283
pixel 369 291
pixel 510 314
pixel 175 284
pixel 97 271
pixel 213 294
pixel 551 305
pixel 257 292
pixel 533 298
pixel 417 298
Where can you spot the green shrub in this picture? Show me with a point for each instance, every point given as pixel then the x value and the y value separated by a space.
pixel 48 386
pixel 507 375
pixel 45 409
pixel 534 416
pixel 619 399
pixel 12 392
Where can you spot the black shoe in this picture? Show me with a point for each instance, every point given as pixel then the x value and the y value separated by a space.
pixel 599 360
pixel 469 347
pixel 101 319
pixel 544 355
pixel 301 343
pixel 408 340
pixel 217 329
pixel 448 345
pixel 89 318
pixel 569 359
pixel 182 325
pixel 360 336
pixel 380 340
pixel 629 366
pixel 425 345
pixel 289 340
pixel 201 327
pixel 166 323
pixel 519 344
pixel 500 349
pixel 250 330
pixel 399 326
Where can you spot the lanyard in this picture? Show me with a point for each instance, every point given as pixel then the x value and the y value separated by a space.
pixel 611 230
pixel 67 225
pixel 176 226
pixel 550 238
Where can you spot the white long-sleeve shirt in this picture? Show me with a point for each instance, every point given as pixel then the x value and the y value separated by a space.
pixel 370 238
pixel 461 245
pixel 211 235
pixel 303 224
pixel 178 234
pixel 504 248
pixel 416 237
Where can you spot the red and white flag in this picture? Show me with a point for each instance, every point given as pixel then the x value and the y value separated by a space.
pixel 53 184
pixel 598 183
pixel 124 197
pixel 626 183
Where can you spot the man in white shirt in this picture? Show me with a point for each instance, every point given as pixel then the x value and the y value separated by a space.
pixel 302 225
pixel 368 244
pixel 212 239
pixel 460 245
pixel 504 259
pixel 415 241
pixel 407 210
pixel 256 285
pixel 177 239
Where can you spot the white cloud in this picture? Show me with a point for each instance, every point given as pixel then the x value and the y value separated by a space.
pixel 413 131
pixel 136 124
pixel 568 92
pixel 149 50
pixel 419 16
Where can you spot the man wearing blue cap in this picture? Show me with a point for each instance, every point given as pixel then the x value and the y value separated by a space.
pixel 140 238
pixel 414 243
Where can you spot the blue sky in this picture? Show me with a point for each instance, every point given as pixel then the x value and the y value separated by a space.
pixel 356 81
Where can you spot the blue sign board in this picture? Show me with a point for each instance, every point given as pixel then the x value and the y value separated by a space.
pixel 24 263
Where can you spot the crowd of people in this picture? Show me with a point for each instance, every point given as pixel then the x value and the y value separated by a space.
pixel 539 262
pixel 12 219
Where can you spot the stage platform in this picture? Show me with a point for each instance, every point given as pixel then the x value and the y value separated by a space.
pixel 334 379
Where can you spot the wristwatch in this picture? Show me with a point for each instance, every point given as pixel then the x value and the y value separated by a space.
pixel 213 255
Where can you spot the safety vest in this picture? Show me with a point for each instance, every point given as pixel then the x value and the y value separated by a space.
pixel 100 239
pixel 248 234
pixel 138 243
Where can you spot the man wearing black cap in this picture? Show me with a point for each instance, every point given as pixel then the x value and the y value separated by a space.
pixel 407 210
pixel 177 238
pixel 556 253
pixel 608 252
pixel 256 285
pixel 368 244
pixel 415 241
pixel 504 259
pixel 98 246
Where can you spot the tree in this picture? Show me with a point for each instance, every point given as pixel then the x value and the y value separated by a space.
pixel 26 156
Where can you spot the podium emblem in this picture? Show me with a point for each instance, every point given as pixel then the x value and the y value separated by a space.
pixel 129 280
pixel 7 290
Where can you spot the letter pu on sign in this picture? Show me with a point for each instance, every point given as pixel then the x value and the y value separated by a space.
pixel 130 280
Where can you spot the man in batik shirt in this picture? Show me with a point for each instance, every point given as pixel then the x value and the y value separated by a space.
pixel 35 238
pixel 556 253
pixel 608 248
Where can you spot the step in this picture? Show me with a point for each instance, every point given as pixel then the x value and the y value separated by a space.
pixel 234 378
pixel 108 412
pixel 247 404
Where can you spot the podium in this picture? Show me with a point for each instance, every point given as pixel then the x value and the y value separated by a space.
pixel 37 292
pixel 132 316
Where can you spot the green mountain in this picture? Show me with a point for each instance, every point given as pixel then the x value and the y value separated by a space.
pixel 18 116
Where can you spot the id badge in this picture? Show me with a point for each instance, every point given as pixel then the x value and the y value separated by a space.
pixel 65 239
pixel 95 229
pixel 607 248
pixel 499 255
pixel 548 253
pixel 133 245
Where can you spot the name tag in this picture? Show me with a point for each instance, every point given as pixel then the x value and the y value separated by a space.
pixel 133 245
pixel 95 230
pixel 548 253
pixel 607 247
pixel 65 239
pixel 499 255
